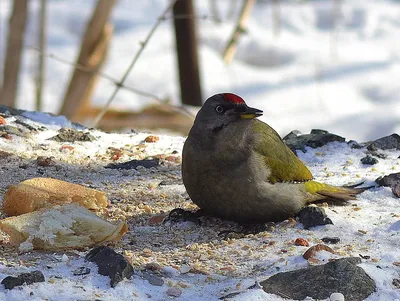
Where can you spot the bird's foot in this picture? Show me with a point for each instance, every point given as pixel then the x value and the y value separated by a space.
pixel 179 215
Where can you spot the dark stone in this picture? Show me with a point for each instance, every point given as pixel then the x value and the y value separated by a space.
pixel 311 216
pixel 72 135
pixel 354 144
pixel 133 164
pixel 319 282
pixel 331 240
pixel 153 279
pixel 369 160
pixel 316 138
pixel 318 132
pixel 396 283
pixel 110 264
pixel 378 155
pixel 10 111
pixel 388 142
pixel 18 120
pixel 392 181
pixel 389 180
pixel 292 135
pixel 81 271
pixel 24 278
pixel 396 189
pixel 12 130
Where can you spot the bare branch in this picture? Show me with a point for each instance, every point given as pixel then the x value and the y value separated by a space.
pixel 230 48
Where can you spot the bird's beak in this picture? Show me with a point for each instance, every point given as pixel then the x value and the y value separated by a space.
pixel 246 112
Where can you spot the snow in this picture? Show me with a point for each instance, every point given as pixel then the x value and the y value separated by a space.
pixel 368 226
pixel 343 80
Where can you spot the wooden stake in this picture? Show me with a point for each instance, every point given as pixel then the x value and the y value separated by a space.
pixel 92 55
pixel 41 58
pixel 186 46
pixel 15 40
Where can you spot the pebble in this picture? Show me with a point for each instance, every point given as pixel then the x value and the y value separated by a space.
pixel 153 266
pixel 312 216
pixel 369 160
pixel 174 292
pixel 331 240
pixel 301 242
pixel 185 269
pixel 81 271
pixel 151 139
pixel 336 297
pixel 396 189
pixel 154 279
pixel 72 135
pixel 25 278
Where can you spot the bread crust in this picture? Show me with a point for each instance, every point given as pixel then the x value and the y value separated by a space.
pixel 63 227
pixel 37 193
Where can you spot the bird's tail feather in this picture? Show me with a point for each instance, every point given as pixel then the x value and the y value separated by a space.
pixel 335 193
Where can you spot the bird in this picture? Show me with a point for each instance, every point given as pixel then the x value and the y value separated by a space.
pixel 238 168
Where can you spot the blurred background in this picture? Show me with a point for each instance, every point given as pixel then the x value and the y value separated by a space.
pixel 149 64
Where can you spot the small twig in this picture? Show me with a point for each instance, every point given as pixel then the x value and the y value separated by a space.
pixel 132 64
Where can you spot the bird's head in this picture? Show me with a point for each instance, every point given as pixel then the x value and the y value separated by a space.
pixel 223 109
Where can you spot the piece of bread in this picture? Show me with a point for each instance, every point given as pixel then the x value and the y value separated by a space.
pixel 61 227
pixel 36 193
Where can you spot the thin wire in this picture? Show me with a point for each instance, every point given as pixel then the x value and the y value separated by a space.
pixel 121 82
pixel 180 109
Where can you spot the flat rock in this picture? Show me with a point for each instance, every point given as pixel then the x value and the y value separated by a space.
pixel 25 278
pixel 388 142
pixel 392 181
pixel 319 282
pixel 317 138
pixel 389 180
pixel 110 264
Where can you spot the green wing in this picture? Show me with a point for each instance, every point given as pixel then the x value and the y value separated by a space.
pixel 284 165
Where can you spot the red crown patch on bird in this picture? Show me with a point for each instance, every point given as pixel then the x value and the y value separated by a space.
pixel 233 98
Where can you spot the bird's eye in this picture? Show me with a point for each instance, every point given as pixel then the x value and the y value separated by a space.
pixel 219 109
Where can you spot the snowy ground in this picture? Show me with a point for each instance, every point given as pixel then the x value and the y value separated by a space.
pixel 194 260
pixel 343 79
